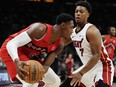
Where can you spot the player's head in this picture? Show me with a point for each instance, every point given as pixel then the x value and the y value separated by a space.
pixel 82 11
pixel 70 55
pixel 112 31
pixel 66 23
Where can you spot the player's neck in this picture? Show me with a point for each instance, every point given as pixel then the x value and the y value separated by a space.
pixel 81 25
pixel 111 36
pixel 55 34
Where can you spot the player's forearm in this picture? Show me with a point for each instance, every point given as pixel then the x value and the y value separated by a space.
pixel 91 63
pixel 49 60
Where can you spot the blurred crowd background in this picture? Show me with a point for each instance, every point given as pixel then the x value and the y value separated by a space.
pixel 18 14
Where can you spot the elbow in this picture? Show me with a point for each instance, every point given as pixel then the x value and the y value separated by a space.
pixel 8 46
pixel 97 57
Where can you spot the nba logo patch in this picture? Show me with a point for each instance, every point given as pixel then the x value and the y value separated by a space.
pixel 53 48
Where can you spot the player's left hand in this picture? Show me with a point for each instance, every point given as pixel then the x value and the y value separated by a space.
pixel 76 79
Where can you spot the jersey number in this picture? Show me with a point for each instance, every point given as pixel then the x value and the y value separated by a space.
pixel 81 50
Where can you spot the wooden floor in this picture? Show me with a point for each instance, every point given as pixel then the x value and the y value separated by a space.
pixel 18 85
pixel 114 85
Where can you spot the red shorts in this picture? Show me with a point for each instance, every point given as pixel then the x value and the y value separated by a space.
pixel 10 65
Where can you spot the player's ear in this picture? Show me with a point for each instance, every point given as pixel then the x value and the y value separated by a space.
pixel 63 25
pixel 88 14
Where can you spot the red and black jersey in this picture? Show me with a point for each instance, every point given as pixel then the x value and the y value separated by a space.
pixel 110 45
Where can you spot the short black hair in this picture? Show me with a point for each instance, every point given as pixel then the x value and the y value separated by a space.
pixel 84 4
pixel 64 17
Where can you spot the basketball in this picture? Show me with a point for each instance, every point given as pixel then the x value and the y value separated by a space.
pixel 36 71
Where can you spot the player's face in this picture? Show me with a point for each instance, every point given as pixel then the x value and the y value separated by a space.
pixel 113 31
pixel 81 14
pixel 68 28
pixel 70 56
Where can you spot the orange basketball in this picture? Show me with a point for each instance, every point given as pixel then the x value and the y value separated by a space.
pixel 36 71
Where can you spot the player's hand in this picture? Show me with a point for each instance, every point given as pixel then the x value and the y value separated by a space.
pixel 76 80
pixel 21 72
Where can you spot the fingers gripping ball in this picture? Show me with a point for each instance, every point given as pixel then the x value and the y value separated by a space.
pixel 36 71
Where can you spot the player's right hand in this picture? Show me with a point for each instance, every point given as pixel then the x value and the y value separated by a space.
pixel 21 72
pixel 76 80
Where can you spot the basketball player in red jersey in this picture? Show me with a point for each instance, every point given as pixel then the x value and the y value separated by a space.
pixel 110 42
pixel 69 63
pixel 110 45
pixel 35 42
pixel 97 69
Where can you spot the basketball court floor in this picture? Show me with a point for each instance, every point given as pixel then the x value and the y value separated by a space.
pixel 19 85
pixel 114 85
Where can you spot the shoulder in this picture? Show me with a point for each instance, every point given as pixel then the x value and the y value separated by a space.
pixel 92 30
pixel 38 25
pixel 37 30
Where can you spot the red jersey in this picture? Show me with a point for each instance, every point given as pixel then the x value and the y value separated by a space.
pixel 38 48
pixel 69 65
pixel 110 45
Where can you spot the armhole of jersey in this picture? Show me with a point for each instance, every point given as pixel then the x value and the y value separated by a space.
pixel 87 38
pixel 86 33
pixel 41 37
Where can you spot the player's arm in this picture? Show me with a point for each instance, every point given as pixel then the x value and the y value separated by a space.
pixel 94 38
pixel 51 57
